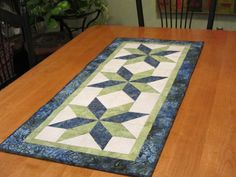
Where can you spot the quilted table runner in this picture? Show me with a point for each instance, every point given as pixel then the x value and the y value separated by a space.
pixel 116 114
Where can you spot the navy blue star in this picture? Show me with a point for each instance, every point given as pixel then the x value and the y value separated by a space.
pixel 101 135
pixel 97 108
pixel 124 117
pixel 163 53
pixel 144 49
pixel 72 123
pixel 107 84
pixel 148 79
pixel 132 91
pixel 128 57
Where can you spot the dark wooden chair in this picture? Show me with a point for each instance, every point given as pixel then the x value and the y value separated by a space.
pixel 6 59
pixel 174 17
pixel 22 51
pixel 8 21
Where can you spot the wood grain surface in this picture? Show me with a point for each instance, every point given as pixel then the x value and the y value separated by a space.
pixel 202 141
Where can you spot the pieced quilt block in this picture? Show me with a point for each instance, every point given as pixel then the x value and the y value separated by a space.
pixel 109 112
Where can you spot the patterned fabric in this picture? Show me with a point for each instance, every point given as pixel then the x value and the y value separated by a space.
pixel 116 114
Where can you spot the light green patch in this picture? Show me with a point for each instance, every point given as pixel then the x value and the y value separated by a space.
pixel 144 87
pixel 117 129
pixel 113 76
pixel 136 60
pixel 135 51
pixel 154 51
pixel 117 110
pixel 77 131
pixel 83 112
pixel 162 59
pixel 142 75
pixel 112 89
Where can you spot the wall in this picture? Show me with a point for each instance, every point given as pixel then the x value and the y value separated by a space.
pixel 123 12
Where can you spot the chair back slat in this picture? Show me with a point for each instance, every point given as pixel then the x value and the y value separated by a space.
pixel 170 14
pixel 165 7
pixel 10 51
pixel 176 13
pixel 182 12
pixel 6 55
pixel 160 10
pixel 190 21
pixel 211 16
pixel 179 14
pixel 166 17
pixel 186 14
pixel 139 7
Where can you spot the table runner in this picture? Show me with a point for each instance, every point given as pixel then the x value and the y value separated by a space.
pixel 116 114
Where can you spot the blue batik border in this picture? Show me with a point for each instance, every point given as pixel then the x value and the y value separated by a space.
pixel 146 161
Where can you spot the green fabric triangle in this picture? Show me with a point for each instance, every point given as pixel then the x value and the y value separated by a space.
pixel 77 131
pixel 117 129
pixel 135 51
pixel 136 60
pixel 142 75
pixel 116 111
pixel 162 59
pixel 144 87
pixel 111 89
pixel 113 76
pixel 83 112
pixel 154 51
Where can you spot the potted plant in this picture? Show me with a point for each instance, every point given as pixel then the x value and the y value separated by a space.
pixel 49 14
pixel 45 10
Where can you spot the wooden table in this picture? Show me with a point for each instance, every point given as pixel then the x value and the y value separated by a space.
pixel 202 141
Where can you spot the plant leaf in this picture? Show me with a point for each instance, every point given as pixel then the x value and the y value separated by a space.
pixel 52 23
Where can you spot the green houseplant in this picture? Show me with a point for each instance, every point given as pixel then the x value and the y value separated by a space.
pixel 44 10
